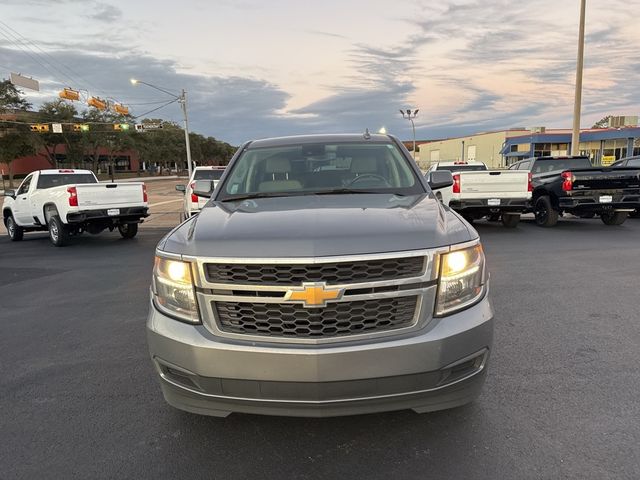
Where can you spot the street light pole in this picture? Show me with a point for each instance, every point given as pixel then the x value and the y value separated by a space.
pixel 577 107
pixel 409 115
pixel 182 100
pixel 183 103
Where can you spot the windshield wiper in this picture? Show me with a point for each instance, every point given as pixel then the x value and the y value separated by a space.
pixel 346 191
pixel 250 196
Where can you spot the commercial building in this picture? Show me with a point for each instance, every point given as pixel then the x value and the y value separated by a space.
pixel 484 147
pixel 502 148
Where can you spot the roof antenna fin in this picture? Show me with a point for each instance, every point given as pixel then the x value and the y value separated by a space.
pixel 367 135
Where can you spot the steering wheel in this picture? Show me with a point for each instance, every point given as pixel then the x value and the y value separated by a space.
pixel 373 176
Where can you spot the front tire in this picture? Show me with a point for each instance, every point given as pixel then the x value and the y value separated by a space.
pixel 128 230
pixel 614 218
pixel 510 221
pixel 58 233
pixel 546 215
pixel 15 231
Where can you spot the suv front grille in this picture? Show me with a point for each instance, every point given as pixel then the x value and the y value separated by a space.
pixel 334 320
pixel 331 273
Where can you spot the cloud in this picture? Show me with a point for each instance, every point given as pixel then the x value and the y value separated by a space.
pixel 105 13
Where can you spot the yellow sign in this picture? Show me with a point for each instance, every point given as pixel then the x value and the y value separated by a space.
pixel 314 294
pixel 608 160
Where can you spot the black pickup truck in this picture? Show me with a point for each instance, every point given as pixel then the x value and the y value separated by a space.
pixel 572 185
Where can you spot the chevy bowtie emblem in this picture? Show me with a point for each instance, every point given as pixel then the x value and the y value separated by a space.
pixel 314 294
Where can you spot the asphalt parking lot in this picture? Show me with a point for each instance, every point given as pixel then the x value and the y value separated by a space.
pixel 79 399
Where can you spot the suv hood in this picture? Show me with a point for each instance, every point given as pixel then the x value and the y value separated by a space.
pixel 317 226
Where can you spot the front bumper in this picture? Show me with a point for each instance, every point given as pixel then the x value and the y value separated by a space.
pixel 438 367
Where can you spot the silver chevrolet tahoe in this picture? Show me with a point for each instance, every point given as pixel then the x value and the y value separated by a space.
pixel 322 278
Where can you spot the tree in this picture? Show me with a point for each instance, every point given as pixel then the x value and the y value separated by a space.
pixel 603 123
pixel 17 141
pixel 61 112
pixel 11 98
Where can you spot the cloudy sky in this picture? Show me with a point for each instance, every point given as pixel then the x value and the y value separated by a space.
pixel 254 68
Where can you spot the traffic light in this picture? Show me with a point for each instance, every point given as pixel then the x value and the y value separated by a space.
pixel 121 109
pixel 97 103
pixel 39 127
pixel 84 127
pixel 121 126
pixel 80 127
pixel 69 94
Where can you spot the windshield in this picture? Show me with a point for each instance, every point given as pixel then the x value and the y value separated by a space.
pixel 462 168
pixel 544 166
pixel 321 168
pixel 208 174
pixel 55 180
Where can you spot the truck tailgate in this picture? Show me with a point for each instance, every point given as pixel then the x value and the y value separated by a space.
pixel 494 184
pixel 605 178
pixel 108 194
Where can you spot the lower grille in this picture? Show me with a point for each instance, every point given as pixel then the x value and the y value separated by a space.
pixel 334 320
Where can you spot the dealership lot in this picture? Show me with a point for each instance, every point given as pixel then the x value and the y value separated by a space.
pixel 79 398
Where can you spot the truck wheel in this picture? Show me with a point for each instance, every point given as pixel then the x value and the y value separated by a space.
pixel 128 230
pixel 510 220
pixel 614 218
pixel 58 233
pixel 546 215
pixel 15 231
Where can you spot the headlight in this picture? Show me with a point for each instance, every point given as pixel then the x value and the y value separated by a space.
pixel 173 289
pixel 461 281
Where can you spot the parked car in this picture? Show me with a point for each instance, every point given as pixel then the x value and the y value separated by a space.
pixel 572 185
pixel 478 192
pixel 630 162
pixel 308 291
pixel 68 202
pixel 192 203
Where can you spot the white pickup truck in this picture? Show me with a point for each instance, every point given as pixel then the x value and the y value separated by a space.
pixel 69 202
pixel 478 192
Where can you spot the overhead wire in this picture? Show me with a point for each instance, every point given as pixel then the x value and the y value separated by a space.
pixel 54 63
pixel 18 40
pixel 30 55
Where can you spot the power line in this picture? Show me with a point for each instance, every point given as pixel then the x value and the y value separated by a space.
pixel 26 42
pixel 30 55
pixel 151 111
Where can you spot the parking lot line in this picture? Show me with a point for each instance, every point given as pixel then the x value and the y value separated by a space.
pixel 163 203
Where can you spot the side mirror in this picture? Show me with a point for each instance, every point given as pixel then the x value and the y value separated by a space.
pixel 181 188
pixel 10 193
pixel 203 188
pixel 440 179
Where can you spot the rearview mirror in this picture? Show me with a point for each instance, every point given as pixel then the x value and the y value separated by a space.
pixel 10 193
pixel 181 188
pixel 440 179
pixel 203 188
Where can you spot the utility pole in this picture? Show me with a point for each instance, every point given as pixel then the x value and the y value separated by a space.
pixel 183 103
pixel 411 116
pixel 577 107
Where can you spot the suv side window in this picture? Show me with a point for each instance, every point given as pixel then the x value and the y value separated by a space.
pixel 24 188
pixel 634 162
pixel 525 165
